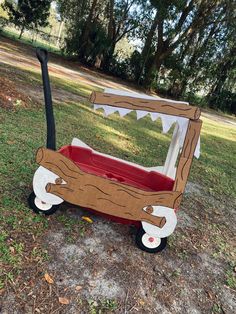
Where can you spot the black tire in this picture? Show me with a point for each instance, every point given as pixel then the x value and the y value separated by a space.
pixel 37 210
pixel 141 245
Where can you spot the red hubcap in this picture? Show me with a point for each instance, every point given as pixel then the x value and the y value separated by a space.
pixel 151 239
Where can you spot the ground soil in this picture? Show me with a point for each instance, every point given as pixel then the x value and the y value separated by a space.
pixel 10 96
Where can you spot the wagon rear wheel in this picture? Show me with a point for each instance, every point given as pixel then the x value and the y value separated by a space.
pixel 40 207
pixel 149 243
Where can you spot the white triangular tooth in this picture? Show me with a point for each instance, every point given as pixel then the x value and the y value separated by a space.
pixel 95 106
pixel 154 116
pixel 183 125
pixel 123 111
pixel 108 110
pixel 167 122
pixel 141 114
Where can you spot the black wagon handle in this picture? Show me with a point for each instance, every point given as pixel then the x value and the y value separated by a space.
pixel 42 56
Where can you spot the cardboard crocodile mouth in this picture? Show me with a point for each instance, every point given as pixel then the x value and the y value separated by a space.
pixel 166 120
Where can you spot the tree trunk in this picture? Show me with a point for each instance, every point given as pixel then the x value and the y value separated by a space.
pixel 86 30
pixel 148 43
pixel 98 61
pixel 59 33
pixel 111 32
pixel 111 26
pixel 223 69
pixel 22 31
pixel 155 66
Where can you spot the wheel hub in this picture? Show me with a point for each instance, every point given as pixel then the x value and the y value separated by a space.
pixel 150 242
pixel 41 205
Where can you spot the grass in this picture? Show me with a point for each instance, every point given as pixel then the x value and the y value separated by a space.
pixel 13 34
pixel 217 165
pixel 72 227
pixel 102 306
pixel 231 276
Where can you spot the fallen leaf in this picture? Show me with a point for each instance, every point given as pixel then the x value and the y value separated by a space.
pixel 87 219
pixel 210 295
pixel 2 290
pixel 78 288
pixel 48 278
pixel 141 302
pixel 12 249
pixel 64 301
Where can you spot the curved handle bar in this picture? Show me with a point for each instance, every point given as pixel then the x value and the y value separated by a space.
pixel 42 55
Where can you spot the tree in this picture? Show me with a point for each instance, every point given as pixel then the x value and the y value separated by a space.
pixel 176 21
pixel 28 14
pixel 113 20
pixel 182 45
pixel 123 18
pixel 222 74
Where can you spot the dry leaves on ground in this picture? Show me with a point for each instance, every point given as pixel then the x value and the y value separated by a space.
pixel 78 288
pixel 48 278
pixel 64 301
pixel 87 219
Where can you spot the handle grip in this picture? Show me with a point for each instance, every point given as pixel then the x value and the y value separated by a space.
pixel 42 55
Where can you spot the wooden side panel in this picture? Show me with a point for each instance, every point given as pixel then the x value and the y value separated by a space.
pixel 101 194
pixel 182 174
pixel 187 154
pixel 161 106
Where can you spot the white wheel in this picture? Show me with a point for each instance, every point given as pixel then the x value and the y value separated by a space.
pixel 41 205
pixel 41 178
pixel 169 226
pixel 38 206
pixel 150 242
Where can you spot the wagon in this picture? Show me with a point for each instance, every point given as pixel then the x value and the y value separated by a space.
pixel 117 189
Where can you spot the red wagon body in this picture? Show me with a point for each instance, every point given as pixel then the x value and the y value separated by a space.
pixel 116 170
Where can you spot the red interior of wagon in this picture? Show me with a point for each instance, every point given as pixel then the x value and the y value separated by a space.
pixel 116 170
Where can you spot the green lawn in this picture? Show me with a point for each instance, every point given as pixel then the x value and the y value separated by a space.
pixel 26 39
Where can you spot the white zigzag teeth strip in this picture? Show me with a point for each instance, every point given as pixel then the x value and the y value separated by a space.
pixel 167 121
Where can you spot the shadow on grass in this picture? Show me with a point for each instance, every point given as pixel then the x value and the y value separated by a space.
pixel 33 78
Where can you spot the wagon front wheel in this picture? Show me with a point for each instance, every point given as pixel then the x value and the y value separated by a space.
pixel 39 206
pixel 148 243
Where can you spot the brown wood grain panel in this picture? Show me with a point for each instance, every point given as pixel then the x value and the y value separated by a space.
pixel 186 156
pixel 191 138
pixel 161 106
pixel 182 174
pixel 102 194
